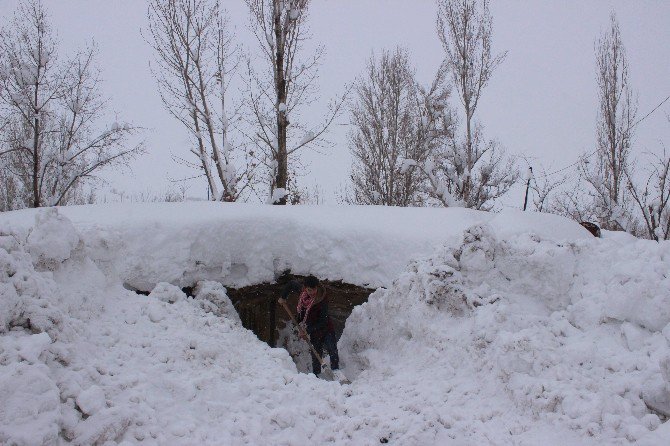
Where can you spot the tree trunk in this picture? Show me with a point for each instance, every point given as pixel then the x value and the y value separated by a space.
pixel 281 180
pixel 466 183
pixel 36 166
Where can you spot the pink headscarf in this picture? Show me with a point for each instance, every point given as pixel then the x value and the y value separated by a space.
pixel 305 302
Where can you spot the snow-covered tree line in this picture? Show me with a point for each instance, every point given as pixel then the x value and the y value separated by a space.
pixel 616 184
pixel 54 139
pixel 195 60
pixel 411 145
pixel 417 146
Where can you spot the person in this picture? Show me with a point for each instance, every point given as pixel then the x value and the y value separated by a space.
pixel 313 316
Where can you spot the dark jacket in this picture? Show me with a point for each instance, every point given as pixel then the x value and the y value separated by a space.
pixel 318 322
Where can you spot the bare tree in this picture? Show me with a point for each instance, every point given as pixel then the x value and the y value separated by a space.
pixel 616 115
pixel 573 203
pixel 52 145
pixel 282 89
pixel 9 190
pixel 653 199
pixel 304 195
pixel 396 124
pixel 475 169
pixel 194 62
pixel 10 193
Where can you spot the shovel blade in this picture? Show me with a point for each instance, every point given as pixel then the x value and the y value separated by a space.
pixel 339 376
pixel 329 374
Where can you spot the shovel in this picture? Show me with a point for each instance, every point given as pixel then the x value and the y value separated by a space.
pixel 325 368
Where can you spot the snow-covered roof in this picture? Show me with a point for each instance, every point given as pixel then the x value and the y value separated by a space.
pixel 242 244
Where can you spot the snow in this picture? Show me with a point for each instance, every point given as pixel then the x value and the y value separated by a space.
pixel 528 175
pixel 406 164
pixel 91 400
pixel 309 136
pixel 53 238
pixel 510 328
pixel 31 347
pixel 277 195
pixel 167 292
pixel 525 333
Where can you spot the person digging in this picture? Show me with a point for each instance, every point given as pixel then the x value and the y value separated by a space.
pixel 314 323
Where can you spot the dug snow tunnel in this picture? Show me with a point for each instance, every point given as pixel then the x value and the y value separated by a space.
pixel 259 312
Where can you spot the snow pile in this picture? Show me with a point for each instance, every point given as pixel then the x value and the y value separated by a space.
pixel 212 298
pixel 87 362
pixel 27 298
pixel 35 332
pixel 523 332
pixel 519 329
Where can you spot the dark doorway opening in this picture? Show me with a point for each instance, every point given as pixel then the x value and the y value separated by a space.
pixel 259 311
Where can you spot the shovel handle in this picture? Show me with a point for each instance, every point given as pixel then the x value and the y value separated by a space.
pixel 311 347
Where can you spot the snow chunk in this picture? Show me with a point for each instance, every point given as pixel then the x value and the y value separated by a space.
pixel 307 138
pixel 31 347
pixel 278 194
pixel 633 335
pixel 528 175
pixel 105 426
pixel 91 400
pixel 52 239
pixel 211 297
pixel 155 312
pixel 166 292
pixel 510 222
pixel 27 297
pixel 658 437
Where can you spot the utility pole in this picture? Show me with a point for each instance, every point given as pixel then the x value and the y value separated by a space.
pixel 529 176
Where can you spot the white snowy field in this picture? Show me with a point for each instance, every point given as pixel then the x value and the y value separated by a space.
pixel 512 328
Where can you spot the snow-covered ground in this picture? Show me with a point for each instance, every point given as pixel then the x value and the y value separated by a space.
pixel 512 328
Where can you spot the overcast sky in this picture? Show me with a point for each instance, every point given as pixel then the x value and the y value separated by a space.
pixel 541 102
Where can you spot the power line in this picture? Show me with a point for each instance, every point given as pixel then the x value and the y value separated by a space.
pixel 569 166
pixel 647 115
pixel 596 151
pixel 187 179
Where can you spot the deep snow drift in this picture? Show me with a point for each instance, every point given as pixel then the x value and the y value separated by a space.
pixel 506 328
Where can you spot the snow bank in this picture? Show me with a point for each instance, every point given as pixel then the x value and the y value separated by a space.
pixel 522 333
pixel 508 329
pixel 85 361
